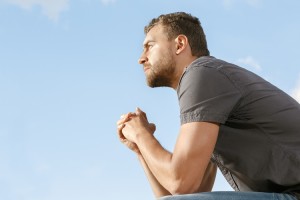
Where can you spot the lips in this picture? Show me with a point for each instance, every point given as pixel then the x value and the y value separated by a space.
pixel 146 68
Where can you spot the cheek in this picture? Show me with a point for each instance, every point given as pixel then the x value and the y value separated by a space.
pixel 152 58
pixel 155 55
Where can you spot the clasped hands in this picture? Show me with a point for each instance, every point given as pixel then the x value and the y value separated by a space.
pixel 131 125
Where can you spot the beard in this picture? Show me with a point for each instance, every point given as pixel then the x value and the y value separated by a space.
pixel 162 73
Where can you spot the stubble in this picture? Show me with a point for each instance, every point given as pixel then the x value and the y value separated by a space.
pixel 161 74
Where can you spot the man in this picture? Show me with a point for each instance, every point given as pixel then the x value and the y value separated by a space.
pixel 230 118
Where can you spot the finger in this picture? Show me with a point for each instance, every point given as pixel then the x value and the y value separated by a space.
pixel 119 122
pixel 119 131
pixel 120 127
pixel 128 116
pixel 125 118
pixel 131 114
pixel 152 127
pixel 138 111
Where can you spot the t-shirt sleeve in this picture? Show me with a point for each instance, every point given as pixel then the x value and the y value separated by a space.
pixel 206 94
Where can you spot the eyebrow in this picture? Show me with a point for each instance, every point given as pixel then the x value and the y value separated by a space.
pixel 147 43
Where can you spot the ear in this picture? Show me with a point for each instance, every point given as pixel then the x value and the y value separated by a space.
pixel 181 43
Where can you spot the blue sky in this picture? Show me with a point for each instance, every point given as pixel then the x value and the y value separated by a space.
pixel 68 70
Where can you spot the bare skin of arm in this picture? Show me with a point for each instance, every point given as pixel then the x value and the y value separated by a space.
pixel 160 191
pixel 186 169
pixel 156 187
pixel 208 178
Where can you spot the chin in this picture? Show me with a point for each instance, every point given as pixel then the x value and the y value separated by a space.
pixel 154 85
pixel 154 82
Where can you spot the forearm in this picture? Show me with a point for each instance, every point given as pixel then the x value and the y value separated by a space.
pixel 157 160
pixel 157 188
pixel 183 171
pixel 205 186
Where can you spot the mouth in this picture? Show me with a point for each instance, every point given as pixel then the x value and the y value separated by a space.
pixel 146 68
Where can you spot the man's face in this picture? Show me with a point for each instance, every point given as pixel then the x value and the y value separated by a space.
pixel 157 58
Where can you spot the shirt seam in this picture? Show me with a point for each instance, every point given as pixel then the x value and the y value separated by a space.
pixel 200 116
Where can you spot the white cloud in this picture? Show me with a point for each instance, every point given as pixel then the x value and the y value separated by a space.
pixel 51 8
pixel 249 61
pixel 296 92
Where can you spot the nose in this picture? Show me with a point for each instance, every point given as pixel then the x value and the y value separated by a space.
pixel 143 59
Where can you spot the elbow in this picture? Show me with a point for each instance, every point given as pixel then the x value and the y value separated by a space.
pixel 179 187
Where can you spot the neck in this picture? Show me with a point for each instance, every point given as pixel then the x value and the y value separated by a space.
pixel 182 64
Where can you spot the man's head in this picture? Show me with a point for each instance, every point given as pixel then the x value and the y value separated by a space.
pixel 182 23
pixel 172 42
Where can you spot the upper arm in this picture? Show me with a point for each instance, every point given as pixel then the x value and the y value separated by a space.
pixel 206 94
pixel 192 154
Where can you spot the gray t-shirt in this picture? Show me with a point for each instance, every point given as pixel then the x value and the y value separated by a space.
pixel 258 147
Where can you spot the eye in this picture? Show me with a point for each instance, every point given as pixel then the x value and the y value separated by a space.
pixel 150 45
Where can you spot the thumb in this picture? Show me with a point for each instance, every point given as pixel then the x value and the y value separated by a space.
pixel 139 111
pixel 152 127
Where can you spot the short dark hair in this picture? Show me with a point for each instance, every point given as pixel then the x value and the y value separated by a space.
pixel 183 23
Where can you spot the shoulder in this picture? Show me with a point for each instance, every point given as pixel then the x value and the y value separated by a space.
pixel 211 65
pixel 207 61
pixel 206 71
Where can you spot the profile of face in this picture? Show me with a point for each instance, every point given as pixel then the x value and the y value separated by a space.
pixel 158 58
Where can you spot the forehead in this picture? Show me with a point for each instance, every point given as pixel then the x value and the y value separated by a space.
pixel 155 34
